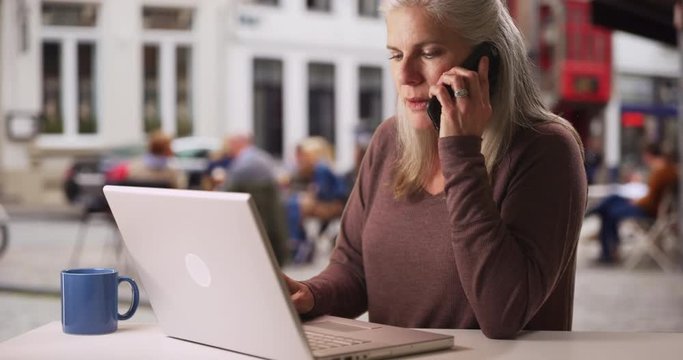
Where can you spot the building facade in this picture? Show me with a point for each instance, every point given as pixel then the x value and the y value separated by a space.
pixel 619 90
pixel 83 76
pixel 2 130
pixel 643 107
pixel 307 68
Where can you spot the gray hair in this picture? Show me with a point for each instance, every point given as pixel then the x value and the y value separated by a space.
pixel 516 100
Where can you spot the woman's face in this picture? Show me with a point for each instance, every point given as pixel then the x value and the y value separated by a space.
pixel 305 162
pixel 420 51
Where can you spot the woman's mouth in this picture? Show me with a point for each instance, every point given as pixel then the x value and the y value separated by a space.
pixel 417 104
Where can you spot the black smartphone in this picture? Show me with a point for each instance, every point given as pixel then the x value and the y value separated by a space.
pixel 472 64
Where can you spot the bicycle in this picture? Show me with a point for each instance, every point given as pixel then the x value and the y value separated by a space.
pixel 4 231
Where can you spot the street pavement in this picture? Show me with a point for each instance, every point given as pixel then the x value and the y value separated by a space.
pixel 42 244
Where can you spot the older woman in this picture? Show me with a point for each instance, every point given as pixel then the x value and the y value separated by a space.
pixel 473 226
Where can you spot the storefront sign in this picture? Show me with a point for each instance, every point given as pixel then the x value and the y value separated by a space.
pixel 586 84
pixel 632 119
pixel 22 126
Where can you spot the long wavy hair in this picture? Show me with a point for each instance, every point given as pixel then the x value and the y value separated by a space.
pixel 516 100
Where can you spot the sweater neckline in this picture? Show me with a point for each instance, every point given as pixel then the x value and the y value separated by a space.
pixel 429 196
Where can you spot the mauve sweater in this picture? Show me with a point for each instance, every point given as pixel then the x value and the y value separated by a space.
pixel 499 256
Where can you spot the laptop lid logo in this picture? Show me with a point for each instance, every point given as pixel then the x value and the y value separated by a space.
pixel 198 270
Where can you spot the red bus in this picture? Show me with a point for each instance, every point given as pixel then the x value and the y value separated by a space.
pixel 573 55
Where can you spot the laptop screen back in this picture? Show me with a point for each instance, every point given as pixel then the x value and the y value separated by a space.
pixel 207 267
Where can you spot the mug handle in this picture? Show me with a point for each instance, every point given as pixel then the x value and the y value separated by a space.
pixel 136 298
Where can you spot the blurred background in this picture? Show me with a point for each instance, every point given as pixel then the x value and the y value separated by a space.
pixel 84 84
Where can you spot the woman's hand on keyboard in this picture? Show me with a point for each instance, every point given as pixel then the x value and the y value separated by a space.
pixel 301 295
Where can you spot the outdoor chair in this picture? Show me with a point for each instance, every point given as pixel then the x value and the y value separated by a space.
pixel 654 238
pixel 97 209
pixel 323 233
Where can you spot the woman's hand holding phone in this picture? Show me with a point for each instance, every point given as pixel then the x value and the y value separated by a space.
pixel 464 115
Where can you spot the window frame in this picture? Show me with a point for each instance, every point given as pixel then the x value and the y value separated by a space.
pixel 168 42
pixel 321 11
pixel 333 92
pixel 376 15
pixel 68 37
pixel 372 123
pixel 277 4
pixel 262 133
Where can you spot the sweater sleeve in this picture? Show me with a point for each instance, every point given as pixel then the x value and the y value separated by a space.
pixel 510 255
pixel 340 289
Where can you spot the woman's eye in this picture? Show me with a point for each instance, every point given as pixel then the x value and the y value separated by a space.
pixel 429 55
pixel 395 57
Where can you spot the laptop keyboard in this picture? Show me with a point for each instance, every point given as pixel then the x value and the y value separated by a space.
pixel 319 341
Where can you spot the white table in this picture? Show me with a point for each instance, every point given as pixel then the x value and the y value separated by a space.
pixel 632 190
pixel 146 341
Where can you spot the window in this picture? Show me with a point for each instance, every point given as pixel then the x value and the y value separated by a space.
pixel 319 5
pixel 666 91
pixel 69 68
pixel 264 2
pixel 637 89
pixel 87 122
pixel 368 8
pixel 167 60
pixel 53 122
pixel 184 90
pixel 370 96
pixel 268 129
pixel 151 106
pixel 321 107
pixel 69 14
pixel 160 18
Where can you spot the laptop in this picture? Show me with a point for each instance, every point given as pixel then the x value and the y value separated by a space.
pixel 211 278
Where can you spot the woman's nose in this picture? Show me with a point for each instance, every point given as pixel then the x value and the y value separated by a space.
pixel 409 73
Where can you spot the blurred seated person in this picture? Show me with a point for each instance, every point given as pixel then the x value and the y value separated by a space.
pixel 156 166
pixel 317 193
pixel 215 174
pixel 615 208
pixel 252 171
pixel 363 136
pixel 593 159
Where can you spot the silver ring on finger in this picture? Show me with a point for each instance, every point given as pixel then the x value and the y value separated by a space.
pixel 458 93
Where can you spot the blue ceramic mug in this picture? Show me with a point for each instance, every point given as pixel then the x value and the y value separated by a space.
pixel 90 300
